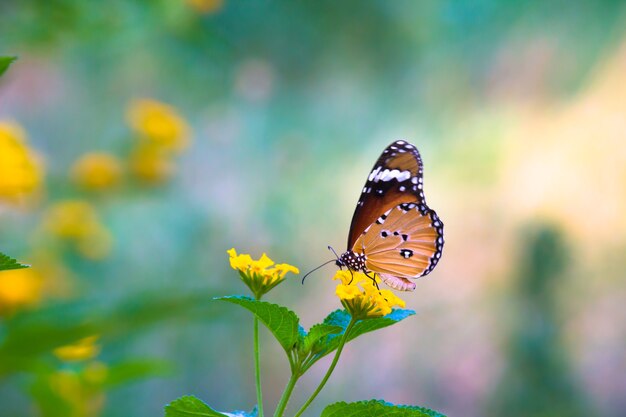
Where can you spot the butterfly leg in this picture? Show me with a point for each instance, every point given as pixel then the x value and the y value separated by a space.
pixel 373 278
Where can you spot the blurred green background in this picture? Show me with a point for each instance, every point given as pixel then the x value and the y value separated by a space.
pixel 139 140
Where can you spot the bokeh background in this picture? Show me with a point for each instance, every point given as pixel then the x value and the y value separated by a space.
pixel 139 140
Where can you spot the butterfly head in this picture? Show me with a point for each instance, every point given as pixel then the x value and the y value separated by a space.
pixel 352 260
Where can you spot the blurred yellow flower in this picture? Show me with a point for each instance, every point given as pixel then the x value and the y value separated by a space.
pixel 19 172
pixel 57 278
pixel 151 164
pixel 259 275
pixel 83 349
pixel 19 288
pixel 77 222
pixel 361 298
pixel 97 171
pixel 97 245
pixel 71 219
pixel 96 372
pixel 206 6
pixel 159 124
pixel 84 398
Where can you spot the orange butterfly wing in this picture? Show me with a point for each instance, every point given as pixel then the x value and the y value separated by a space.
pixel 405 242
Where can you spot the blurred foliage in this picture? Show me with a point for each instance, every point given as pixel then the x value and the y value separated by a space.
pixel 5 62
pixel 538 379
pixel 64 323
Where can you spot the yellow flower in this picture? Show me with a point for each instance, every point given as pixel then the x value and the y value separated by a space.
pixel 81 396
pixel 262 275
pixel 81 350
pixel 97 171
pixel 96 373
pixel 19 172
pixel 77 221
pixel 361 298
pixel 206 6
pixel 96 245
pixel 71 219
pixel 159 124
pixel 151 164
pixel 19 288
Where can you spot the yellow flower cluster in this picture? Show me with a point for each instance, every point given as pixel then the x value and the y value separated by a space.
pixel 261 275
pixel 361 298
pixel 19 172
pixel 81 385
pixel 97 171
pixel 82 390
pixel 162 134
pixel 83 349
pixel 77 222
pixel 19 288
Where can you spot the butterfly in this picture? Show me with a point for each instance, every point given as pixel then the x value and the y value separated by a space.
pixel 393 232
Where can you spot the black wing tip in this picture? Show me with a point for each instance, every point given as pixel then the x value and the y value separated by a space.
pixel 401 145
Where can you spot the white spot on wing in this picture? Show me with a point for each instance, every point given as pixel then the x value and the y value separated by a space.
pixel 388 175
pixel 404 175
pixel 374 173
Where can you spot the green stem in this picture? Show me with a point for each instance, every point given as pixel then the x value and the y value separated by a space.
pixel 342 342
pixel 280 410
pixel 257 367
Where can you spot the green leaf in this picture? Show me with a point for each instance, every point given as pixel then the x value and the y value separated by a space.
pixel 282 322
pixel 317 337
pixel 190 406
pixel 377 408
pixel 5 61
pixel 369 325
pixel 6 262
pixel 324 338
pixel 342 318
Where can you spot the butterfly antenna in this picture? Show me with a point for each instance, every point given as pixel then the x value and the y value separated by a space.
pixel 331 249
pixel 315 269
pixel 341 264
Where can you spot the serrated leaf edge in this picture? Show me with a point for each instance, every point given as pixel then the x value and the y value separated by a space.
pixel 171 404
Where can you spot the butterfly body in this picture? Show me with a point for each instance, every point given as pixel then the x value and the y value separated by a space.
pixel 353 260
pixel 393 232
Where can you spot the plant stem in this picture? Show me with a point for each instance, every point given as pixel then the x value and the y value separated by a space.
pixel 342 342
pixel 257 367
pixel 295 374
